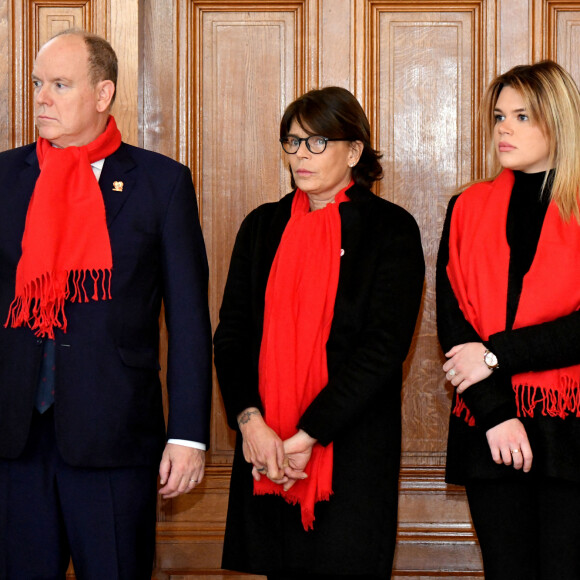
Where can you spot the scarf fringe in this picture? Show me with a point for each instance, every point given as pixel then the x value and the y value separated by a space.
pixel 560 403
pixel 40 304
pixel 552 402
pixel 460 408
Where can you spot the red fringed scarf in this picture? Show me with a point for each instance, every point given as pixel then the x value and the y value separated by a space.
pixel 298 315
pixel 65 236
pixel 478 271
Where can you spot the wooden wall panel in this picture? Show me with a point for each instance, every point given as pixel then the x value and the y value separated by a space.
pixel 8 87
pixel 426 67
pixel 514 42
pixel 337 37
pixel 425 94
pixel 565 38
pixel 246 62
pixel 206 81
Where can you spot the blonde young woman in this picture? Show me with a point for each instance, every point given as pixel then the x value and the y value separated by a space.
pixel 508 293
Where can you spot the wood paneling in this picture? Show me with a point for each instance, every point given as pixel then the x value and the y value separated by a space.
pixel 206 81
pixel 246 64
pixel 427 75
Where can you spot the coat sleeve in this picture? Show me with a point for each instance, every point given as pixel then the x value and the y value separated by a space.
pixel 236 340
pixel 185 285
pixel 376 353
pixel 550 345
pixel 490 401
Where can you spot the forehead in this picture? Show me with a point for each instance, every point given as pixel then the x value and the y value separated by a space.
pixel 64 56
pixel 511 98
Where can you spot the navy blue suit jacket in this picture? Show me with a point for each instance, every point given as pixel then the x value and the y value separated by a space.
pixel 108 400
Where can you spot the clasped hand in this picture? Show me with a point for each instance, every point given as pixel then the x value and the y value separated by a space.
pixel 283 462
pixel 465 365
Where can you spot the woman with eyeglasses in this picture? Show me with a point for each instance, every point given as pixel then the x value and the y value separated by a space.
pixel 508 316
pixel 317 318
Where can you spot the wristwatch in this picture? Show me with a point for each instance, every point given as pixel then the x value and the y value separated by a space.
pixel 490 360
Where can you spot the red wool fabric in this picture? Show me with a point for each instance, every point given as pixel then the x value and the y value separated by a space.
pixel 299 307
pixel 65 236
pixel 478 268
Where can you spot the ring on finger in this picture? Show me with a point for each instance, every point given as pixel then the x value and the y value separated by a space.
pixel 514 451
pixel 452 373
pixel 262 469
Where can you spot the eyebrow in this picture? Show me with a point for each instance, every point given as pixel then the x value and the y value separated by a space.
pixel 55 80
pixel 498 110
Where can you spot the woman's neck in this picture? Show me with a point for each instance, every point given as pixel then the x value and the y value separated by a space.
pixel 317 202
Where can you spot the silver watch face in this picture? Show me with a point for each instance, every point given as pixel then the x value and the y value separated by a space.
pixel 490 360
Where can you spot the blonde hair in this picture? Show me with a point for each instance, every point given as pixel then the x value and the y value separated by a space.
pixel 552 101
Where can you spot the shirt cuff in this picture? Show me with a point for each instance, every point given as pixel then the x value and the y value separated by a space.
pixel 187 443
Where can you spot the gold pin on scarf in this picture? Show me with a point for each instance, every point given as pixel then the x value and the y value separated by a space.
pixel 117 186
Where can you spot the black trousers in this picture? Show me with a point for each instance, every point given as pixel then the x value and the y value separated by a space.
pixel 104 518
pixel 528 527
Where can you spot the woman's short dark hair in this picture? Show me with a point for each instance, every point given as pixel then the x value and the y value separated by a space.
pixel 334 112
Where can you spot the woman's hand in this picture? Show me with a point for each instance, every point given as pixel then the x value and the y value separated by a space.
pixel 262 447
pixel 466 366
pixel 298 450
pixel 509 444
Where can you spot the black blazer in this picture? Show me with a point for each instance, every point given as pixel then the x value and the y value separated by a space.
pixel 378 297
pixel 108 404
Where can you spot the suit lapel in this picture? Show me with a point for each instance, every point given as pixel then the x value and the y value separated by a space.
pixel 28 177
pixel 117 181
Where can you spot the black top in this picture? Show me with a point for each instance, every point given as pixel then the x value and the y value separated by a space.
pixel 555 442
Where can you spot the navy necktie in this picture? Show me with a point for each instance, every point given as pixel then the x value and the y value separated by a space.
pixel 45 391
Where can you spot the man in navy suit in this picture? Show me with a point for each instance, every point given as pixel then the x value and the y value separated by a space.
pixel 82 430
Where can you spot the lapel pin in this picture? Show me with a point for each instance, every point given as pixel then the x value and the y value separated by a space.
pixel 117 186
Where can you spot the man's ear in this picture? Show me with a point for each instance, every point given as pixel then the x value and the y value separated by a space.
pixel 105 93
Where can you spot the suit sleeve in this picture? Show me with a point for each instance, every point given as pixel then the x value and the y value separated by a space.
pixel 375 359
pixel 185 286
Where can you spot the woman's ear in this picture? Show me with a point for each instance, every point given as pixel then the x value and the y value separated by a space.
pixel 356 149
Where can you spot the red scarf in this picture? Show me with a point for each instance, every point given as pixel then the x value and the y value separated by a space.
pixel 478 271
pixel 65 236
pixel 298 315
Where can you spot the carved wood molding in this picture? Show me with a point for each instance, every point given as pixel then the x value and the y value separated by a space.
pixel 546 19
pixel 192 60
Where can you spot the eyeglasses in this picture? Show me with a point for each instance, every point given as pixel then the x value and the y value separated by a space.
pixel 314 143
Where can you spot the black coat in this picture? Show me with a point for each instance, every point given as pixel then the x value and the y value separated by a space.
pixel 555 442
pixel 108 405
pixel 377 301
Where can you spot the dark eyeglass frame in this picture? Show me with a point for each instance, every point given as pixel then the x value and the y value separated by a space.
pixel 305 139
